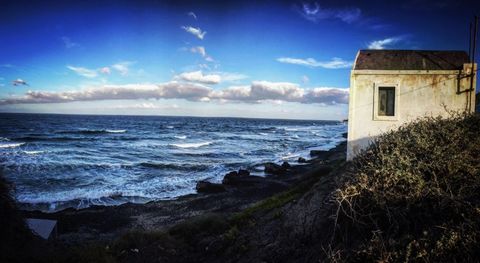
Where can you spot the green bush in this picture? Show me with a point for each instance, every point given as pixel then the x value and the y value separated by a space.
pixel 414 195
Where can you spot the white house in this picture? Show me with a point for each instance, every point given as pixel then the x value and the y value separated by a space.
pixel 391 87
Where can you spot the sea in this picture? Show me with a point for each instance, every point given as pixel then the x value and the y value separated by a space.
pixel 75 161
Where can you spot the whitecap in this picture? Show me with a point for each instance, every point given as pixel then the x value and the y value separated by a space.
pixel 181 137
pixel 11 145
pixel 4 139
pixel 116 131
pixel 33 152
pixel 169 127
pixel 191 145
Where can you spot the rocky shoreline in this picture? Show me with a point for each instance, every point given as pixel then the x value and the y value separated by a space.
pixel 238 191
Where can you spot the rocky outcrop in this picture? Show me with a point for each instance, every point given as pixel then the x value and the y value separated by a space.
pixel 275 169
pixel 209 187
pixel 302 160
pixel 233 178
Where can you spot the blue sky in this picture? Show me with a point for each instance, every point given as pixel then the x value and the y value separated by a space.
pixel 270 59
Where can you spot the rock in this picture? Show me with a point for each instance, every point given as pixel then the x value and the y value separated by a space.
pixel 234 176
pixel 320 154
pixel 273 168
pixel 242 172
pixel 301 160
pixel 208 187
pixel 286 165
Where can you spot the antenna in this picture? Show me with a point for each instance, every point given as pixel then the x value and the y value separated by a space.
pixel 470 42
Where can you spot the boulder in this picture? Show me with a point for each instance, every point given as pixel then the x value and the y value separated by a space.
pixel 242 172
pixel 273 168
pixel 301 160
pixel 286 165
pixel 234 176
pixel 209 187
pixel 320 154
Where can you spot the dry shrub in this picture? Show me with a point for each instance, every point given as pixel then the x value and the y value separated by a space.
pixel 414 195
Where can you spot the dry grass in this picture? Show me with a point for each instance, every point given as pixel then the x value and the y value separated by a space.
pixel 414 195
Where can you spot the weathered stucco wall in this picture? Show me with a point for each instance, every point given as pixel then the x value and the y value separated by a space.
pixel 418 93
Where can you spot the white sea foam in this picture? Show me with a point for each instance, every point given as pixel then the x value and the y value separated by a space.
pixel 116 131
pixel 181 137
pixel 169 127
pixel 33 152
pixel 4 139
pixel 191 145
pixel 11 145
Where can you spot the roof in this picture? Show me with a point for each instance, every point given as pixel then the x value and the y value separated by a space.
pixel 410 60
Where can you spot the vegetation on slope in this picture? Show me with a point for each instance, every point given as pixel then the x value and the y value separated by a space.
pixel 413 195
pixel 15 238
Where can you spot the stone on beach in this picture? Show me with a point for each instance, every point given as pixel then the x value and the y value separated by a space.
pixel 209 187
pixel 234 176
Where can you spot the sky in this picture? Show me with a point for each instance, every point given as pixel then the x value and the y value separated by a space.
pixel 263 59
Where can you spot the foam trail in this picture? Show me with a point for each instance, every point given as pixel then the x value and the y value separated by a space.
pixel 33 152
pixel 11 145
pixel 191 145
pixel 181 137
pixel 116 131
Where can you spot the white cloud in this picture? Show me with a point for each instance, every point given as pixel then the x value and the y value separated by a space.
pixel 228 76
pixel 146 106
pixel 200 50
pixel 19 82
pixel 69 43
pixel 305 79
pixel 257 92
pixel 313 12
pixel 384 43
pixel 334 63
pixel 105 70
pixel 195 31
pixel 192 14
pixel 122 67
pixel 325 95
pixel 198 76
pixel 167 90
pixel 84 72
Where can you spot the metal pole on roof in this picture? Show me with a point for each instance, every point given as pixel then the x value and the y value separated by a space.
pixel 472 71
pixel 470 42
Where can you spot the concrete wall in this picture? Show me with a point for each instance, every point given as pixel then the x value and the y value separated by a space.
pixel 418 93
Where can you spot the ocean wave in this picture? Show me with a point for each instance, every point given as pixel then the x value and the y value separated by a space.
pixel 33 152
pixel 2 139
pixel 92 131
pixel 175 166
pixel 116 131
pixel 181 137
pixel 11 145
pixel 191 145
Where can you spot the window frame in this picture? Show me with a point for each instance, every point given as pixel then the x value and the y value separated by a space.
pixel 376 100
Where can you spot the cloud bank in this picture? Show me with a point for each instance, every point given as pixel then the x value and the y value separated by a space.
pixel 258 91
pixel 199 77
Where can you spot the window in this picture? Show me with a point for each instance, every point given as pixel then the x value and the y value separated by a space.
pixel 386 101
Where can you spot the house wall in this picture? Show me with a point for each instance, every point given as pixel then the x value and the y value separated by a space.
pixel 419 93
